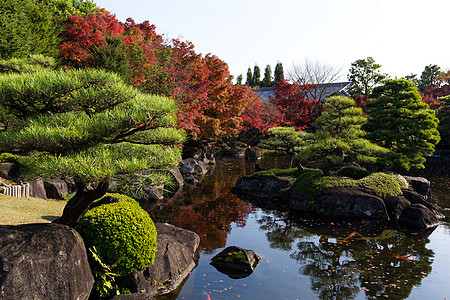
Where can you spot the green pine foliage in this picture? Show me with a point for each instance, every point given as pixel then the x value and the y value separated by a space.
pixel 278 73
pixel 400 121
pixel 284 140
pixel 86 123
pixel 267 80
pixel 123 234
pixel 29 64
pixel 444 119
pixel 339 137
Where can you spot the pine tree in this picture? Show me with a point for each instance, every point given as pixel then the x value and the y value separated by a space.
pixel 278 74
pixel 401 122
pixel 239 79
pixel 256 76
pixel 267 81
pixel 250 81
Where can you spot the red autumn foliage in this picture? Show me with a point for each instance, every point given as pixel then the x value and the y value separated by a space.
pixel 210 105
pixel 295 109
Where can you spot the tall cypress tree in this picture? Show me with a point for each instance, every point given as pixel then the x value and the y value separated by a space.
pixel 278 74
pixel 239 79
pixel 249 81
pixel 267 81
pixel 257 75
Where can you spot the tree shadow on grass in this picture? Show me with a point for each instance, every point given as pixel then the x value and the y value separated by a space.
pixel 49 218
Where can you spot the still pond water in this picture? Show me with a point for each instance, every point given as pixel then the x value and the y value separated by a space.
pixel 302 257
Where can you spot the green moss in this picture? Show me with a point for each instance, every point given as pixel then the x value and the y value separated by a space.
pixel 237 257
pixel 353 172
pixel 383 184
pixel 311 183
pixel 123 234
pixel 7 157
pixel 276 172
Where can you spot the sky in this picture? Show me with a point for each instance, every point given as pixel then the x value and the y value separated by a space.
pixel 403 36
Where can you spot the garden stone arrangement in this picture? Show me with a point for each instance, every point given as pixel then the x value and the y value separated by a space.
pixel 350 194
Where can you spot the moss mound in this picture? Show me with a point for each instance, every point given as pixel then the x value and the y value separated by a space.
pixel 353 172
pixel 123 234
pixel 276 172
pixel 383 184
pixel 312 182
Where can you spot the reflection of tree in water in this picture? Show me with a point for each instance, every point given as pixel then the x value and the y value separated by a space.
pixel 388 265
pixel 209 208
pixel 332 271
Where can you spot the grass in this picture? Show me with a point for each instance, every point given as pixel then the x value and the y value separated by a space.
pixel 17 211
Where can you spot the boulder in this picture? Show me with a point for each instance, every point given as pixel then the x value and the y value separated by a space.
pixel 55 188
pixel 298 202
pixel 9 170
pixel 191 165
pixel 416 198
pixel 351 202
pixel 395 206
pixel 150 193
pixel 177 180
pixel 43 261
pixel 175 258
pixel 134 296
pixel 71 186
pixel 258 186
pixel 252 154
pixel 236 262
pixel 418 216
pixel 37 188
pixel 420 185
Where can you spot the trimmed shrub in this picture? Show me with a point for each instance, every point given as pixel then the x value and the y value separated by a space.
pixel 123 234
pixel 353 172
pixel 125 199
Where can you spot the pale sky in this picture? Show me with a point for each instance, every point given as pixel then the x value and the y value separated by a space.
pixel 403 36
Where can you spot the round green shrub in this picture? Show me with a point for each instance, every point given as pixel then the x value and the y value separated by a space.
pixel 119 196
pixel 123 234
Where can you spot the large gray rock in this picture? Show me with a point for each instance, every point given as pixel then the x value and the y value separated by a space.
pixel 298 202
pixel 236 262
pixel 43 261
pixel 418 216
pixel 9 170
pixel 252 154
pixel 420 185
pixel 175 258
pixel 351 202
pixel 416 198
pixel 37 188
pixel 263 185
pixel 56 188
pixel 191 165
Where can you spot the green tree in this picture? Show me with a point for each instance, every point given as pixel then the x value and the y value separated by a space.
pixel 428 77
pixel 401 122
pixel 36 26
pixel 250 81
pixel 239 79
pixel 256 76
pixel 267 80
pixel 278 73
pixel 284 140
pixel 86 124
pixel 339 137
pixel 365 75
pixel 444 122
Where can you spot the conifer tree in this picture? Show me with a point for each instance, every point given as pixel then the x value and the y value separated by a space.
pixel 249 81
pixel 401 122
pixel 239 79
pixel 278 74
pixel 256 76
pixel 267 81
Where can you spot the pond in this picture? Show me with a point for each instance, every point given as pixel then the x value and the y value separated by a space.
pixel 302 257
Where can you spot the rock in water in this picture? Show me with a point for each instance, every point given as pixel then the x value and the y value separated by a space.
pixel 43 261
pixel 236 262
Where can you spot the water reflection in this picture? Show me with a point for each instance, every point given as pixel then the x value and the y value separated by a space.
pixel 341 265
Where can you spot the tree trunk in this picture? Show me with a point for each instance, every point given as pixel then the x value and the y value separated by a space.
pixel 81 201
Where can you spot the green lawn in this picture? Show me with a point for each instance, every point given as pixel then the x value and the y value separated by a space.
pixel 16 211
